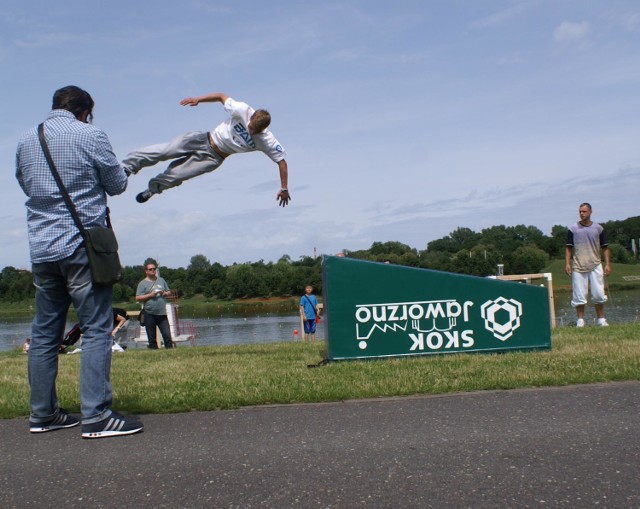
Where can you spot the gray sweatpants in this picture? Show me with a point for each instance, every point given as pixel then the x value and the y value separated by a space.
pixel 191 153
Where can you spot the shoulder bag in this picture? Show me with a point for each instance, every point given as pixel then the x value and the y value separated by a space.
pixel 314 309
pixel 100 242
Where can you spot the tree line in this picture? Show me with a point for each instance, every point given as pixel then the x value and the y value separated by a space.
pixel 520 249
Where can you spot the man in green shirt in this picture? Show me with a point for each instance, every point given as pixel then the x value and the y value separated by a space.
pixel 152 291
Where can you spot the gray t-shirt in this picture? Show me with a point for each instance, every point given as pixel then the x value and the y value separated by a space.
pixel 586 242
pixel 155 305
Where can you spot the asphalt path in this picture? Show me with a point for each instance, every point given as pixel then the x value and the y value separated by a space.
pixel 571 447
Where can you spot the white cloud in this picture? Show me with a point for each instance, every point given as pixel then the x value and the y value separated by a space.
pixel 503 16
pixel 49 40
pixel 631 22
pixel 571 32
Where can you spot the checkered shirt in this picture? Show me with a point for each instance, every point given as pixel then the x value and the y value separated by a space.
pixel 88 168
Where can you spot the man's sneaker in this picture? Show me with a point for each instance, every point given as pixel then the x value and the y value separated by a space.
pixel 580 322
pixel 602 322
pixel 144 196
pixel 60 421
pixel 113 426
pixel 117 348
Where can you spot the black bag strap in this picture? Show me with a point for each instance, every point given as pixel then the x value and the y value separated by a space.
pixel 63 189
pixel 312 306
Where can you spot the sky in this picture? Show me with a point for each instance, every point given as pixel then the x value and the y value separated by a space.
pixel 402 121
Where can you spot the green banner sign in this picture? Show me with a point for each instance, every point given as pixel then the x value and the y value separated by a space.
pixel 382 310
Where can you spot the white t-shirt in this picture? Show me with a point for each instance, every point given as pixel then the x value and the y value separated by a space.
pixel 232 136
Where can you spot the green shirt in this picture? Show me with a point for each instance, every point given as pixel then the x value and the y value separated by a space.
pixel 155 305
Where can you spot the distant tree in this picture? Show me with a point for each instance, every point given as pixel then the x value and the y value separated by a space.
pixel 619 254
pixel 622 232
pixel 502 238
pixel 410 259
pixel 282 278
pixel 119 292
pixel 436 260
pixel 479 261
pixel 555 244
pixel 16 285
pixel 460 238
pixel 464 238
pixel 388 248
pixel 199 262
pixel 528 234
pixel 528 259
pixel 363 254
pixel 243 282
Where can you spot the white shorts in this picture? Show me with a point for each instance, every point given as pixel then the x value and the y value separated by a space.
pixel 581 281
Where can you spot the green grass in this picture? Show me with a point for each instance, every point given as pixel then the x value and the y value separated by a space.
pixel 615 280
pixel 226 377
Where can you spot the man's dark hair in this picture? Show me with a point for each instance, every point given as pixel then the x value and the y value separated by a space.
pixel 74 100
pixel 585 204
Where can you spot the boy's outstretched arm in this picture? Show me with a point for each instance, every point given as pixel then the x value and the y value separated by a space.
pixel 218 97
pixel 283 195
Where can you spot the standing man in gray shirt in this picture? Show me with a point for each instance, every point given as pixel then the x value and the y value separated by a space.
pixel 151 292
pixel 585 240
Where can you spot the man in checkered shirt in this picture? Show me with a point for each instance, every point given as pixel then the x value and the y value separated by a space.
pixel 89 170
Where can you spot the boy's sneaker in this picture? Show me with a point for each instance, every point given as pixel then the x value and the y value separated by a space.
pixel 113 426
pixel 602 322
pixel 144 196
pixel 580 322
pixel 60 421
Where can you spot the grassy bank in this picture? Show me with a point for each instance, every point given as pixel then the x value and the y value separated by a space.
pixel 194 307
pixel 615 281
pixel 211 378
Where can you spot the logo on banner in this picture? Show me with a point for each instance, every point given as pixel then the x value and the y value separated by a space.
pixel 501 317
pixel 428 324
pixel 438 324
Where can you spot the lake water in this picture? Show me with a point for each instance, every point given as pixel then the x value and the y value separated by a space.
pixel 623 307
pixel 209 331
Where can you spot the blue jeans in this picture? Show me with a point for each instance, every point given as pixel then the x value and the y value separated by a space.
pixel 162 322
pixel 59 284
pixel 191 153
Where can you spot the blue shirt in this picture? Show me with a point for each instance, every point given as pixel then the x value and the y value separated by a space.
pixel 88 168
pixel 309 307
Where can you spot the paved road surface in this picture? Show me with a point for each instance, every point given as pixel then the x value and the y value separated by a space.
pixel 567 447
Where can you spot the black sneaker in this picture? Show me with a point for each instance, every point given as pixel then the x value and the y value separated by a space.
pixel 60 421
pixel 113 426
pixel 144 196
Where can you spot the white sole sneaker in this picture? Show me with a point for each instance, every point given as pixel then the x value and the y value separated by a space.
pixel 113 426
